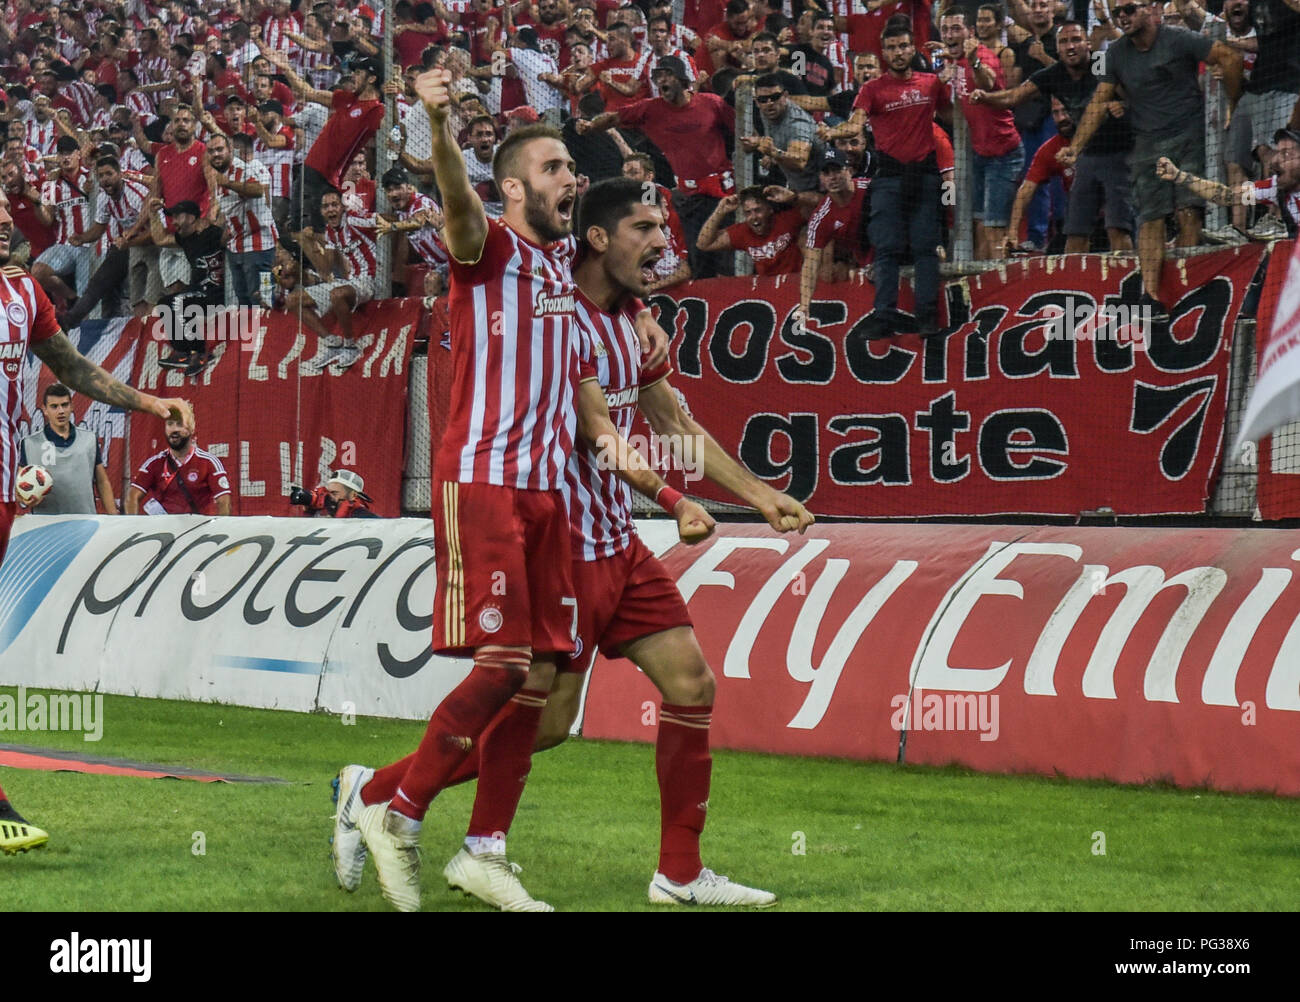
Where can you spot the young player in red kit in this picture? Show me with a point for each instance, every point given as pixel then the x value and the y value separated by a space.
pixel 28 322
pixel 628 604
pixel 504 592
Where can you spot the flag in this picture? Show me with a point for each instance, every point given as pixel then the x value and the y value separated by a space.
pixel 1275 400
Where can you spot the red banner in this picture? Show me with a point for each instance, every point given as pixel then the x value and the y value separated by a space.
pixel 1278 493
pixel 274 423
pixel 1032 404
pixel 1134 655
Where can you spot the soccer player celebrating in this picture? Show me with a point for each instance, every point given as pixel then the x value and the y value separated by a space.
pixel 31 324
pixel 628 604
pixel 504 592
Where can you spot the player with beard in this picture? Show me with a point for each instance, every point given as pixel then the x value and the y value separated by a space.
pixel 31 325
pixel 629 605
pixel 504 591
pixel 181 479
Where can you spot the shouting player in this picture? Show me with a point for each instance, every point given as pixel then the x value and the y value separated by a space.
pixel 29 323
pixel 504 593
pixel 628 604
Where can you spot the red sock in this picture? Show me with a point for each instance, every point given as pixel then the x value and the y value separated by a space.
pixel 383 784
pixel 2 793
pixel 456 726
pixel 683 764
pixel 505 758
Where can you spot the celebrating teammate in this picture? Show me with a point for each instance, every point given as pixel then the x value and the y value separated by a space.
pixel 628 604
pixel 504 592
pixel 30 323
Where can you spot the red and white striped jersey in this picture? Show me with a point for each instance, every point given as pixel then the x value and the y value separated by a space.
pixel 838 54
pixel 250 226
pixel 153 70
pixel 119 214
pixel 132 159
pixel 81 96
pixel 42 137
pixel 425 240
pixel 140 105
pixel 682 37
pixel 1289 202
pixel 354 237
pixel 101 119
pixel 278 162
pixel 275 32
pixel 600 505
pixel 26 317
pixel 70 205
pixel 514 364
pixel 317 68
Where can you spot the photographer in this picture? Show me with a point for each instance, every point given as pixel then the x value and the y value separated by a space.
pixel 341 496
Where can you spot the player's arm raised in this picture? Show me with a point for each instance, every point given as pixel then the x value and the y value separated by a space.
pixel 82 375
pixel 466 222
pixel 596 429
pixel 664 412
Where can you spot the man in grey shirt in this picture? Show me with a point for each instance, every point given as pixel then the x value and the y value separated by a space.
pixel 71 455
pixel 790 135
pixel 1156 65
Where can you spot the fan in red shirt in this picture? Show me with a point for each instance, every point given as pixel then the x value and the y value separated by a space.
pixel 179 165
pixel 769 236
pixel 727 43
pixel 840 219
pixel 905 202
pixel 1042 169
pixel 692 131
pixel 355 117
pixel 616 77
pixel 181 480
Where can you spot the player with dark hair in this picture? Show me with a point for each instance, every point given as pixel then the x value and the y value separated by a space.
pixel 504 593
pixel 31 324
pixel 628 604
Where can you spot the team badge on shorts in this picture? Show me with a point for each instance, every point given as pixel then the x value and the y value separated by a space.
pixel 489 620
pixel 577 649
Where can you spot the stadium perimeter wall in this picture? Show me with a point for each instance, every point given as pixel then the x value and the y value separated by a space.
pixel 1127 654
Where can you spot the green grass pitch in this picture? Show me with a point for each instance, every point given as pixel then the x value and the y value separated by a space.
pixel 822 834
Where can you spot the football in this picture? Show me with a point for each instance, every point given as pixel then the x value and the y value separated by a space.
pixel 34 482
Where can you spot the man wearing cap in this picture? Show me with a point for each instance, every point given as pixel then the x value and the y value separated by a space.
pixel 1281 190
pixel 65 205
pixel 691 130
pixel 201 242
pixel 840 219
pixel 355 117
pixel 343 496
pixel 419 218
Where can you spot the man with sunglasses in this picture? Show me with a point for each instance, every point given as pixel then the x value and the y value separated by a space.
pixel 1158 68
pixel 789 141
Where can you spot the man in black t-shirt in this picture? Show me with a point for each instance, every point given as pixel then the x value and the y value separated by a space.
pixel 204 247
pixel 1101 175
pixel 1033 117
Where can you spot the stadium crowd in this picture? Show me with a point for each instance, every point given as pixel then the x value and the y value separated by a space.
pixel 229 153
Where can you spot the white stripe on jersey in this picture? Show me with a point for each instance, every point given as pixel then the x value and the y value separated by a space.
pixel 506 377
pixel 482 331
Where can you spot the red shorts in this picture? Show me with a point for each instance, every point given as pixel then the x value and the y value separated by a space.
pixel 8 512
pixel 503 569
pixel 620 599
